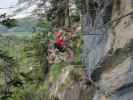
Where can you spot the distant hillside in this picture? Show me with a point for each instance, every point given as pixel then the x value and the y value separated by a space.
pixel 3 28
pixel 24 25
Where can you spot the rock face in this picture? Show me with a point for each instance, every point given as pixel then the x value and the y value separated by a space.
pixel 71 85
pixel 109 50
pixel 98 39
pixel 108 56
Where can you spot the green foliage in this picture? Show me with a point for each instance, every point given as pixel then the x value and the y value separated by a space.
pixel 56 70
pixel 44 24
pixel 8 74
pixel 57 12
pixel 6 58
pixel 9 23
pixel 40 42
pixel 76 74
pixel 8 63
pixel 77 48
pixel 24 93
pixel 29 57
pixel 36 52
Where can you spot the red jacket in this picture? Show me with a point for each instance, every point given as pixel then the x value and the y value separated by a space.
pixel 60 42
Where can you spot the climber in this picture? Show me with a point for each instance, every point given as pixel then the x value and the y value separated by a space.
pixel 60 42
pixel 63 45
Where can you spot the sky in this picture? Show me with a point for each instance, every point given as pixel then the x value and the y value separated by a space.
pixel 7 3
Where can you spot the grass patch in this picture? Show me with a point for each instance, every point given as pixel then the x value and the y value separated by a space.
pixel 56 70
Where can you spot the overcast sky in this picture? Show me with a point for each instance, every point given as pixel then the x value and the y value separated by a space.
pixel 7 3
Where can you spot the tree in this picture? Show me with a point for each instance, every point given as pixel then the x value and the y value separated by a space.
pixel 59 12
pixel 40 47
pixel 8 22
pixel 8 68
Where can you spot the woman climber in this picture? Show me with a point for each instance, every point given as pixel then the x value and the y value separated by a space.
pixel 63 46
pixel 60 42
pixel 57 44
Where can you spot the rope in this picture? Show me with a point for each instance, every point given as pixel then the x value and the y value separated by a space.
pixel 92 34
